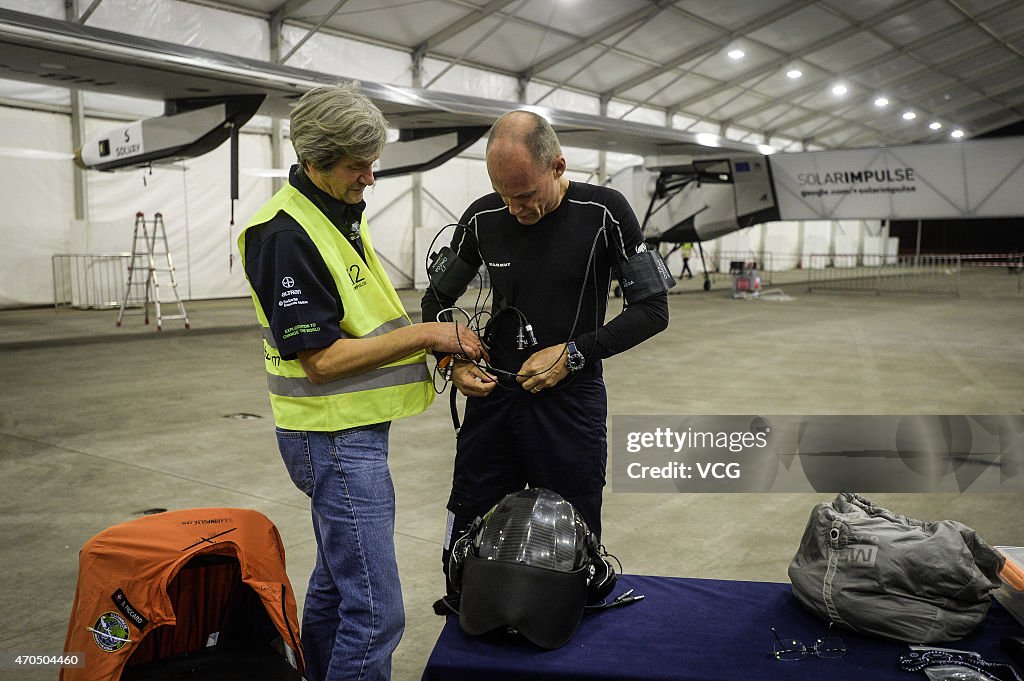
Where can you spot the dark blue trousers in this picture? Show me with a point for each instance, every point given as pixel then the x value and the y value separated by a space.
pixel 512 439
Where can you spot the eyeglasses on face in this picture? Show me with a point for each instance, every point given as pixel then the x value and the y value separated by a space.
pixel 789 649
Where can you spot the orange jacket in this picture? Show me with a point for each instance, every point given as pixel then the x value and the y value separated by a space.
pixel 125 571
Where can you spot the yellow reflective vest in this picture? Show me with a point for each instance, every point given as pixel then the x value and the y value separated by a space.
pixel 372 307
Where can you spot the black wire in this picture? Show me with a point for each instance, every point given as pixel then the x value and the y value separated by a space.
pixel 487 366
pixel 575 321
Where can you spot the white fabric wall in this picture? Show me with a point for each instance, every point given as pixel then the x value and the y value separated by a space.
pixel 389 212
pixel 782 240
pixel 185 24
pixel 37 203
pixel 194 197
pixel 54 9
pixel 817 241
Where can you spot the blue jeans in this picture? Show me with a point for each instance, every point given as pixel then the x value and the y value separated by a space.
pixel 353 616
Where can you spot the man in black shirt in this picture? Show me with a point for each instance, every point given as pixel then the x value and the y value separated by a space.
pixel 536 414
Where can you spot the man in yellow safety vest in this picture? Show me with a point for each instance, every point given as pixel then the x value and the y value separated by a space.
pixel 343 360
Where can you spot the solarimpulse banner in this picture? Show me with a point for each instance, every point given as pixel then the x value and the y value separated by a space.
pixel 817 453
pixel 977 178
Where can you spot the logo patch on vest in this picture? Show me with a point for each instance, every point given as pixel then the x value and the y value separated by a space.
pixel 110 632
pixel 358 280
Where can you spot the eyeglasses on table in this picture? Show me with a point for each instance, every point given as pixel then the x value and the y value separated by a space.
pixel 790 649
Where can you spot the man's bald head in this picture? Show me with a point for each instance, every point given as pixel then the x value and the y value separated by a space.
pixel 527 130
pixel 526 166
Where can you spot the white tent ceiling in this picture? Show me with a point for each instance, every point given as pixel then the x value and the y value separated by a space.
pixel 959 63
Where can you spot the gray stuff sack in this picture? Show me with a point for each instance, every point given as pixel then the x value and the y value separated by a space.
pixel 873 571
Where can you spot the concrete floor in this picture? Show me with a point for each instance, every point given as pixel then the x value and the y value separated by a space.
pixel 97 425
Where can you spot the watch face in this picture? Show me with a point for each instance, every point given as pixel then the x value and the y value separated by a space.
pixel 574 360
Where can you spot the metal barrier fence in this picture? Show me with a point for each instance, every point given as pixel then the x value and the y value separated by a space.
pixel 729 262
pixel 89 280
pixel 722 265
pixel 1013 262
pixel 937 274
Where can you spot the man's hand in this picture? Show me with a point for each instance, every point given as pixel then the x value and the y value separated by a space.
pixel 454 338
pixel 471 380
pixel 543 369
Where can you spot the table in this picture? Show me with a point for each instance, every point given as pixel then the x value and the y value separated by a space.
pixel 691 630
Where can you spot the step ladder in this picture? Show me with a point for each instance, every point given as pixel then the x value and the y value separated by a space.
pixel 150 262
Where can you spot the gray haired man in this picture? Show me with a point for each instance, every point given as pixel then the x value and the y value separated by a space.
pixel 343 360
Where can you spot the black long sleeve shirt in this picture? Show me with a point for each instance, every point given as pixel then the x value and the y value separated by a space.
pixel 542 270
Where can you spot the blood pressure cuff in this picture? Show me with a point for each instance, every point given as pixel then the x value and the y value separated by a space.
pixel 644 275
pixel 449 274
pixel 873 571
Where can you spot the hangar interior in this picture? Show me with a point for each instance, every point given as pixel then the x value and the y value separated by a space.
pixel 99 425
pixel 789 76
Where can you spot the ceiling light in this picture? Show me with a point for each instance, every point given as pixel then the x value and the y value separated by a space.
pixel 766 149
pixel 881 102
pixel 839 90
pixel 957 134
pixel 909 115
pixel 736 54
pixel 935 125
pixel 794 73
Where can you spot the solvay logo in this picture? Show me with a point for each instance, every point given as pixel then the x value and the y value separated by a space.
pixel 288 282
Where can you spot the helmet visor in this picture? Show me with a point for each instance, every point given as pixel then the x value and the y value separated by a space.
pixel 543 605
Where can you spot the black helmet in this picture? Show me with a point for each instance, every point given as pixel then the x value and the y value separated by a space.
pixel 532 565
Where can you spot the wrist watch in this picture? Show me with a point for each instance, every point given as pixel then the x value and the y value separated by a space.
pixel 574 360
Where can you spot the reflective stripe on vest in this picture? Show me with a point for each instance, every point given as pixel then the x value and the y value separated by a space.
pixel 372 308
pixel 383 377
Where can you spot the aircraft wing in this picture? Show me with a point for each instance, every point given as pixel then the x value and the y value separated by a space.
pixel 53 52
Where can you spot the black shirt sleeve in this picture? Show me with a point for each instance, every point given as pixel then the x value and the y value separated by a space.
pixel 638 321
pixel 294 286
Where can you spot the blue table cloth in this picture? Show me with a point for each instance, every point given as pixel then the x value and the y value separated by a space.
pixel 692 630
